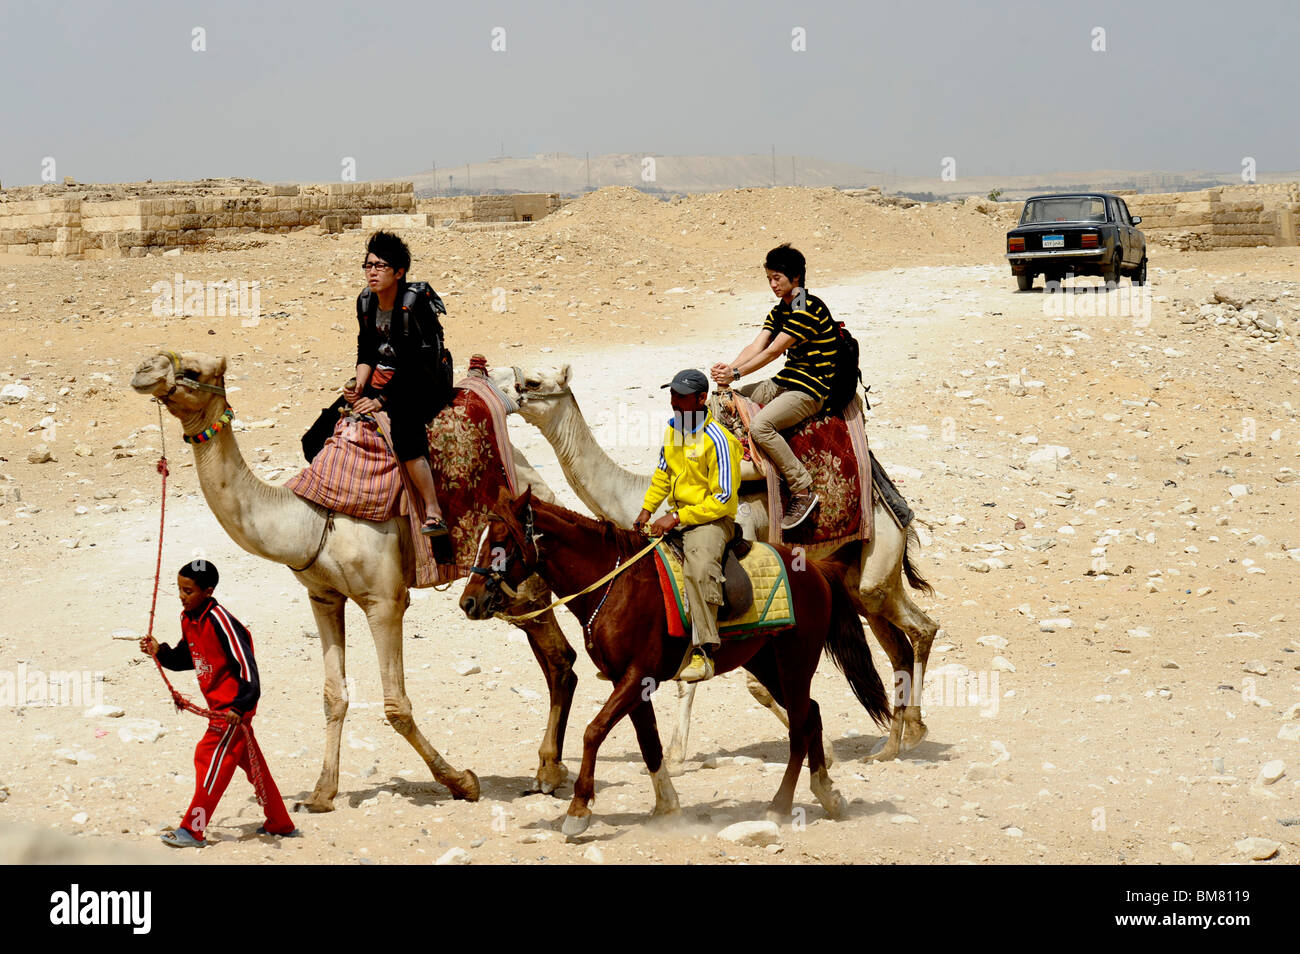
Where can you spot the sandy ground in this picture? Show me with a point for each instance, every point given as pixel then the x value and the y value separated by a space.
pixel 1137 734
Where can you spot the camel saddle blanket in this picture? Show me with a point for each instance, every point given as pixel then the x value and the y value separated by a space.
pixel 834 449
pixel 355 473
pixel 472 460
pixel 773 607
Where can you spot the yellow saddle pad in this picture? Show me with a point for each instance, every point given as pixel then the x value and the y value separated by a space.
pixel 773 607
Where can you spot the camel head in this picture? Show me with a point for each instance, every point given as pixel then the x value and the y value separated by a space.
pixel 182 382
pixel 531 387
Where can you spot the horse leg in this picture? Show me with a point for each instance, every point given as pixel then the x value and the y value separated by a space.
pixel 626 696
pixel 385 618
pixel 647 737
pixel 556 657
pixel 819 780
pixel 676 755
pixel 775 668
pixel 327 607
pixel 764 698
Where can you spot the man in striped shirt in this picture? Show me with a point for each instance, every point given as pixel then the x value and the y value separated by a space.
pixel 800 327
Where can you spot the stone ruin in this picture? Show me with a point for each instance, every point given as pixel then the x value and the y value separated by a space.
pixel 1242 216
pixel 135 219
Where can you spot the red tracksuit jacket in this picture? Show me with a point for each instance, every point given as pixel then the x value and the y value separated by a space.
pixel 220 651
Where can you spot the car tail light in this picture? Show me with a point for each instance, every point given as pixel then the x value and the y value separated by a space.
pixel 1088 240
pixel 1015 245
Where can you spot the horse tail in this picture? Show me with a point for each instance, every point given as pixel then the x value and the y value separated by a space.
pixel 846 642
pixel 914 578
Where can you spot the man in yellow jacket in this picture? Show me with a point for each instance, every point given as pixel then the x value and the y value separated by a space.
pixel 699 475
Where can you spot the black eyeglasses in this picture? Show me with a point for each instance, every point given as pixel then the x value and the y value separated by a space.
pixel 367 266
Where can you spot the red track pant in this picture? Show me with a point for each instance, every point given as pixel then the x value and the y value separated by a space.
pixel 222 748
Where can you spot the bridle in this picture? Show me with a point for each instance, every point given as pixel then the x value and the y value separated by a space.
pixel 186 382
pixel 522 395
pixel 497 578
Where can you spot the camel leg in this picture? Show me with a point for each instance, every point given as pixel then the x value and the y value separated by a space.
pixel 677 747
pixel 626 696
pixel 556 657
pixel 915 625
pixel 647 737
pixel 899 651
pixel 385 618
pixel 327 607
pixel 759 692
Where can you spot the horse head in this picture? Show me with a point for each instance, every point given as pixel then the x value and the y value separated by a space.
pixel 507 555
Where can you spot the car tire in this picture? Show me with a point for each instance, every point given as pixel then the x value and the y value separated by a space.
pixel 1116 269
pixel 1140 275
pixel 1025 282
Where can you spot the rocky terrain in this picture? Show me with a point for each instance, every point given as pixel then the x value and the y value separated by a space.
pixel 1107 484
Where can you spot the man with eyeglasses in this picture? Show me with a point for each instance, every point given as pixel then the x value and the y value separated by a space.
pixel 400 361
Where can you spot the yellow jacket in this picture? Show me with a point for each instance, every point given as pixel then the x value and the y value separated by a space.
pixel 698 472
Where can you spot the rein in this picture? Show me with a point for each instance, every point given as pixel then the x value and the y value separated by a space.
pixel 530 536
pixel 607 578
pixel 178 700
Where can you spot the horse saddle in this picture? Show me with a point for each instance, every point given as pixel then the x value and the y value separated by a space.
pixel 737 587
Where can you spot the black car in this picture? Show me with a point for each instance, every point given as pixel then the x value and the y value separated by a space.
pixel 1088 233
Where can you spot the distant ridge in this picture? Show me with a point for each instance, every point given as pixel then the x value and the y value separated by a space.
pixel 573 175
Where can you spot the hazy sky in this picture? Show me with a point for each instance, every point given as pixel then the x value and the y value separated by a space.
pixel 284 91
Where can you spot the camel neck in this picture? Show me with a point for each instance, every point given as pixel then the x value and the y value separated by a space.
pixel 270 522
pixel 600 483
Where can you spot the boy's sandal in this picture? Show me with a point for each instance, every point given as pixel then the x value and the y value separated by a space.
pixel 296 833
pixel 434 528
pixel 180 838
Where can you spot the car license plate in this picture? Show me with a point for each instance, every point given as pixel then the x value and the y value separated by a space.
pixel 1053 241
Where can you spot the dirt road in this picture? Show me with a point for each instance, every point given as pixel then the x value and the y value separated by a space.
pixel 1122 611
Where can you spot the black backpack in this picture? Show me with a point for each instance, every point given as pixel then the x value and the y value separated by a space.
pixel 434 360
pixel 848 374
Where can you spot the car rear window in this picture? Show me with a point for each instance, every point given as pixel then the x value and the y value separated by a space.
pixel 1070 209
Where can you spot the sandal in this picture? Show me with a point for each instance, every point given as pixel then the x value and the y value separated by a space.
pixel 434 527
pixel 181 838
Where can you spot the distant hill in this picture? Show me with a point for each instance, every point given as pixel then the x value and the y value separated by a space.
pixel 573 175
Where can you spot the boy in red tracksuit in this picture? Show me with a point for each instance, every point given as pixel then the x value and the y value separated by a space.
pixel 220 651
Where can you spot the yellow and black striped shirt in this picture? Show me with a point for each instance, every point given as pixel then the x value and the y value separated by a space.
pixel 810 361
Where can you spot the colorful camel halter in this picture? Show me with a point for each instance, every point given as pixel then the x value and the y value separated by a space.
pixel 205 435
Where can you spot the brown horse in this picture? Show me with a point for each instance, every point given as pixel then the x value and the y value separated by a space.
pixel 626 634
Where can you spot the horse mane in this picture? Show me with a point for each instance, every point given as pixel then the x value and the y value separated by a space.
pixel 625 542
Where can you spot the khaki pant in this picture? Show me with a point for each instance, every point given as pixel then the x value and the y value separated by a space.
pixel 784 408
pixel 704 545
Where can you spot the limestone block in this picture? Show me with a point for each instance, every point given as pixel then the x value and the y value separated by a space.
pixel 1251 228
pixel 396 221
pixel 284 189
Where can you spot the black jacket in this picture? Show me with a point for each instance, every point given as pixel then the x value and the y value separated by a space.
pixel 415 332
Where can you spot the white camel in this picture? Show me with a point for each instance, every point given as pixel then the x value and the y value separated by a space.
pixel 338 558
pixel 903 629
